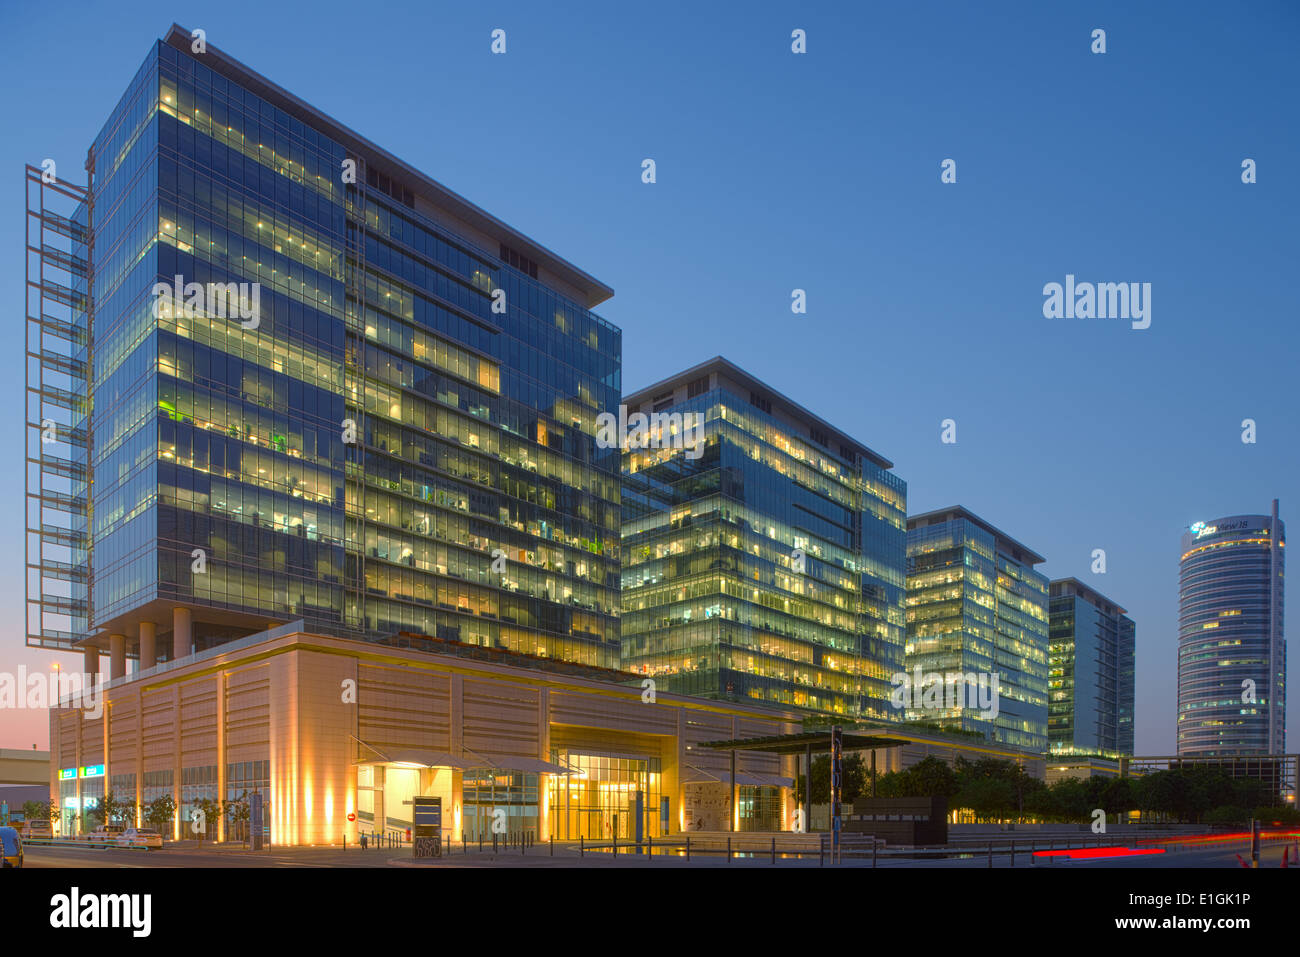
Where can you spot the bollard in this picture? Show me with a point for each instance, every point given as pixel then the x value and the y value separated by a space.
pixel 582 846
pixel 650 845
pixel 773 850
pixel 875 843
pixel 553 836
pixel 728 850
pixel 990 853
pixel 494 842
pixel 688 845
pixel 821 850
pixel 616 845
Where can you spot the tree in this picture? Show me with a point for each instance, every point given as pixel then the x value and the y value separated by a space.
pixel 210 812
pixel 853 779
pixel 238 812
pixel 93 817
pixel 1189 793
pixel 160 812
pixel 821 781
pixel 1228 815
pixel 988 798
pixel 994 788
pixel 931 777
pixel 40 811
pixel 113 811
pixel 1118 797
pixel 1282 815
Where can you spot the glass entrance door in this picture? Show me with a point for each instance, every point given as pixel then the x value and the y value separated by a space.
pixel 597 802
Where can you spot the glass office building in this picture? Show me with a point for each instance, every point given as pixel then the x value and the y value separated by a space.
pixel 976 606
pixel 1231 650
pixel 385 424
pixel 1091 673
pixel 763 549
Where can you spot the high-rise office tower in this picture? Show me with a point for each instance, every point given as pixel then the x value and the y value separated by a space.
pixel 364 402
pixel 1091 676
pixel 1231 651
pixel 976 607
pixel 763 549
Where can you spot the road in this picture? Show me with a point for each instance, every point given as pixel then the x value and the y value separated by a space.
pixel 189 854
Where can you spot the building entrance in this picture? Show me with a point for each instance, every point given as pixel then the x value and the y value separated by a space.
pixel 597 802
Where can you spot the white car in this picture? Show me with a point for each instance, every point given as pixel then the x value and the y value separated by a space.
pixel 140 837
pixel 40 830
pixel 105 834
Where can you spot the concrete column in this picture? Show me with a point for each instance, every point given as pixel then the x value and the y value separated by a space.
pixel 117 656
pixel 455 744
pixel 544 752
pixel 177 767
pixel 148 644
pixel 91 657
pixel 221 752
pixel 182 633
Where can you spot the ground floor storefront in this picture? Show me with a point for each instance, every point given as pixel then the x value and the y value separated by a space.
pixel 338 738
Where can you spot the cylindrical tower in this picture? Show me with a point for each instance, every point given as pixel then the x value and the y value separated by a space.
pixel 1231 654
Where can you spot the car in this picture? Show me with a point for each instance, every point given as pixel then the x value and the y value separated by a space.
pixel 140 837
pixel 11 846
pixel 106 834
pixel 40 829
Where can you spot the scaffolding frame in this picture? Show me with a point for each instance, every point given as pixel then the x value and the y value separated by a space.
pixel 56 437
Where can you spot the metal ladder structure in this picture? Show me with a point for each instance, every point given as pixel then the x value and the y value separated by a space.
pixel 57 502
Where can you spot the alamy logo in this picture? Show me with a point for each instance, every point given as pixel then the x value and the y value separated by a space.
pixel 936 691
pixel 658 430
pixel 132 911
pixel 218 300
pixel 1103 300
pixel 55 689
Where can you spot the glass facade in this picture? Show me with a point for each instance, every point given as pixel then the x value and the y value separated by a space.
pixel 1091 673
pixel 486 791
pixel 197 784
pixel 597 801
pixel 763 566
pixel 243 779
pixel 358 444
pixel 758 808
pixel 975 605
pixel 1231 652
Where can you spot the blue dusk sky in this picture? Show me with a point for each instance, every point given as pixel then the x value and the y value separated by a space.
pixel 821 172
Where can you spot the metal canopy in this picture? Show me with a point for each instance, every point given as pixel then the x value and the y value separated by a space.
pixel 428 758
pixel 423 759
pixel 800 742
pixel 526 765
